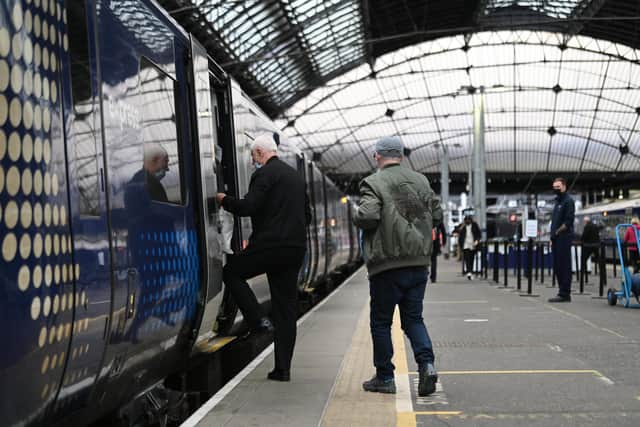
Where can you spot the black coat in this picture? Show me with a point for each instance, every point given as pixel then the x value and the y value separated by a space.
pixel 475 229
pixel 591 233
pixel 277 204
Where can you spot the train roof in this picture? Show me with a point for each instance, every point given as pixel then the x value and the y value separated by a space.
pixel 614 206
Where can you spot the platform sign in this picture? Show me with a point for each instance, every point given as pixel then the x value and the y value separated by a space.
pixel 531 228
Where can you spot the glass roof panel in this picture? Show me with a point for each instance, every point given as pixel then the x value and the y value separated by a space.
pixel 565 103
pixel 553 8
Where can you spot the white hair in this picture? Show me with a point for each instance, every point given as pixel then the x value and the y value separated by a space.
pixel 153 150
pixel 265 142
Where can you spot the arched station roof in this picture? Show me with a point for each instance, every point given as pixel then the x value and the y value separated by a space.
pixel 560 78
pixel 281 50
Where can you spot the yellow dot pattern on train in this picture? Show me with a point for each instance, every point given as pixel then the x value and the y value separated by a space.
pixel 35 241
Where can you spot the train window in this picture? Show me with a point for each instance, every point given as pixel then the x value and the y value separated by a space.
pixel 84 123
pixel 160 134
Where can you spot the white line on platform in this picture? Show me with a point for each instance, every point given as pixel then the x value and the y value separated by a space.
pixel 202 412
pixel 476 320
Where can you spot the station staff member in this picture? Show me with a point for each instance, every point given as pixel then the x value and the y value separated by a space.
pixel 397 201
pixel 561 236
pixel 279 211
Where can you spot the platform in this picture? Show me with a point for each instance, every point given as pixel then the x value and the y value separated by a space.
pixel 503 360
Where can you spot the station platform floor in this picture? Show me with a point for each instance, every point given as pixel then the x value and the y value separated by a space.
pixel 503 360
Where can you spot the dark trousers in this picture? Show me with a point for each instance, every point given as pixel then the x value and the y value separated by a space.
pixel 282 266
pixel 633 260
pixel 434 267
pixel 561 251
pixel 404 287
pixel 588 250
pixel 469 257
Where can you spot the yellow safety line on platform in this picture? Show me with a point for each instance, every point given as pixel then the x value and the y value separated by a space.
pixel 399 352
pixel 404 404
pixel 526 372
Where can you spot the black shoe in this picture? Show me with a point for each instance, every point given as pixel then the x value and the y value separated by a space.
pixel 264 325
pixel 427 381
pixel 377 385
pixel 560 299
pixel 279 375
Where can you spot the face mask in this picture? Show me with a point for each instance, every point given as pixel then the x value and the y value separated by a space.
pixel 557 191
pixel 160 174
pixel 257 165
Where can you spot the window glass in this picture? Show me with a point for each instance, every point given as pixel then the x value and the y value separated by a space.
pixel 83 125
pixel 161 161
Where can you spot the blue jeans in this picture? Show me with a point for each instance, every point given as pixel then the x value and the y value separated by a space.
pixel 403 287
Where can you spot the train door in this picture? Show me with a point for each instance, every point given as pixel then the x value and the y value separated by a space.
pixel 151 207
pixel 214 238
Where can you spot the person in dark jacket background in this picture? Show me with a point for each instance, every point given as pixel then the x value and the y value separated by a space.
pixel 561 236
pixel 590 241
pixel 439 238
pixel 468 239
pixel 279 211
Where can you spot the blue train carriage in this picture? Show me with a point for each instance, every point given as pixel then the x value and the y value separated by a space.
pixel 112 245
pixel 103 285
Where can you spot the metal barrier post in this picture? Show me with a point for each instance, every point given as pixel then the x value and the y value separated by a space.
pixel 577 263
pixel 519 264
pixel 583 267
pixel 485 260
pixel 542 245
pixel 529 270
pixel 602 269
pixel 506 264
pixel 496 265
pixel 615 269
pixel 537 259
pixel 553 273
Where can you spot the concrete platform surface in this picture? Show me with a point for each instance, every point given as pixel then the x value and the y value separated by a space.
pixel 503 360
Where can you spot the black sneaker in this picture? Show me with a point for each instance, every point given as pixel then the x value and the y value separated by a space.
pixel 377 385
pixel 428 377
pixel 560 299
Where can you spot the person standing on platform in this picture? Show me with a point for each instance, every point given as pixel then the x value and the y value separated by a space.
pixel 439 239
pixel 590 241
pixel 562 220
pixel 279 211
pixel 469 238
pixel 632 246
pixel 397 212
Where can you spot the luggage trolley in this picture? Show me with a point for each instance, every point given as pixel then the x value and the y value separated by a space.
pixel 628 288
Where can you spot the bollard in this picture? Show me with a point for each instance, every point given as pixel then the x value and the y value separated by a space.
pixel 506 264
pixel 542 263
pixel 529 272
pixel 519 264
pixel 602 269
pixel 496 265
pixel 583 263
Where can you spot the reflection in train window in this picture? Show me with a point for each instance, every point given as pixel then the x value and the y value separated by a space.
pixel 161 160
pixel 84 122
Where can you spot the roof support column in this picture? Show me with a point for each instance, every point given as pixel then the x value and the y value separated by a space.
pixel 479 171
pixel 444 191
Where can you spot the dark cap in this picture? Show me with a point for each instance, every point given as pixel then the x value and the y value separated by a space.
pixel 390 146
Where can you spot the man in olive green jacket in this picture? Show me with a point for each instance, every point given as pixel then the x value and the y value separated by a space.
pixel 397 211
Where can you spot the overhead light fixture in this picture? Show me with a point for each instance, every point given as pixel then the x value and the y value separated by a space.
pixel 624 149
pixel 316 157
pixel 406 151
pixel 557 89
pixel 291 123
pixel 551 131
pixel 638 111
pixel 389 113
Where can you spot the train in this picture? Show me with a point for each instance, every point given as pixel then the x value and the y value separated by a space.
pixel 105 290
pixel 608 215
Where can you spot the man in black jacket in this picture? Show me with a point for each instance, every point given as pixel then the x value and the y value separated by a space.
pixel 279 211
pixel 561 237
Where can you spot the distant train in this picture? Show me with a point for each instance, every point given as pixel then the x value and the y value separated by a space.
pixel 105 289
pixel 608 215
